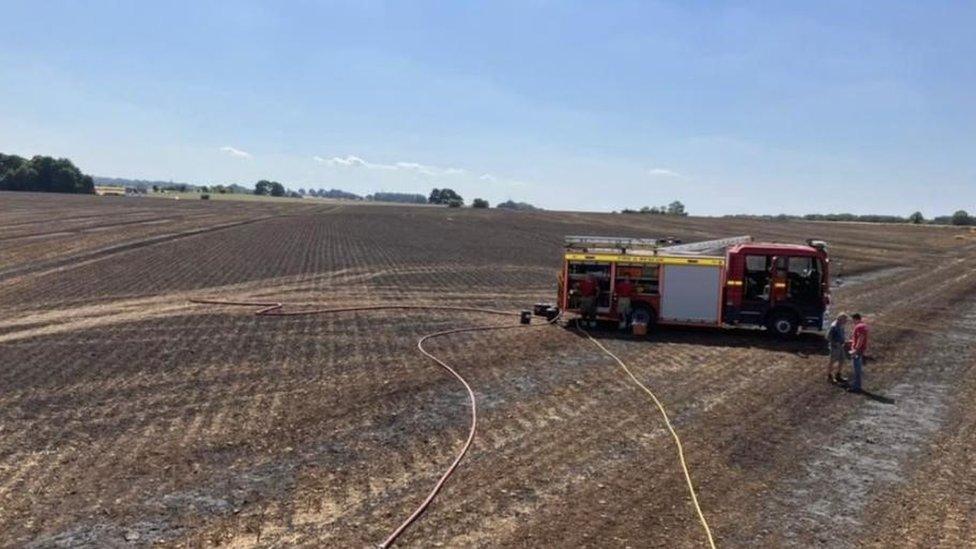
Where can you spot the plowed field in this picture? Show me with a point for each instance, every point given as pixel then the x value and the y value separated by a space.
pixel 130 416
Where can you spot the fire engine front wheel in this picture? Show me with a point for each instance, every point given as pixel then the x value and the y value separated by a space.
pixel 783 324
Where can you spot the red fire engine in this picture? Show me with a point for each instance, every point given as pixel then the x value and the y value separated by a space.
pixel 728 282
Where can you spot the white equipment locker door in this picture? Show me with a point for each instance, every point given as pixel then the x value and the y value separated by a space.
pixel 691 294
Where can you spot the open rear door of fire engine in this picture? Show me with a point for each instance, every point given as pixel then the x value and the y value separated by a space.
pixel 691 294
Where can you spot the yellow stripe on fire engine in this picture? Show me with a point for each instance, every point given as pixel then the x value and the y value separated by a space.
pixel 648 259
pixel 734 283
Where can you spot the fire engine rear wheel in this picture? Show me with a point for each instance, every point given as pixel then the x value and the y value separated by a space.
pixel 783 324
pixel 643 315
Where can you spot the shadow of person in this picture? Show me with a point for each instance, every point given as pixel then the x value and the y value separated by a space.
pixel 877 398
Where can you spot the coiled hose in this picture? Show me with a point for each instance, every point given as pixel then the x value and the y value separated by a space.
pixel 276 309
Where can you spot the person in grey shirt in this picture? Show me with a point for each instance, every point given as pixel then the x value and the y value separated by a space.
pixel 836 337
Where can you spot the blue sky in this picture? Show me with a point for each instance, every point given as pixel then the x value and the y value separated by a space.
pixel 730 107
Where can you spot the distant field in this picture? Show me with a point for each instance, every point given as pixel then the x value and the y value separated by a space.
pixel 130 415
pixel 233 196
pixel 240 197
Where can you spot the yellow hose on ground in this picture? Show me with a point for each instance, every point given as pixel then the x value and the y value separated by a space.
pixel 667 421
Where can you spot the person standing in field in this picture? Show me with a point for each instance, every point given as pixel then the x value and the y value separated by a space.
pixel 589 289
pixel 859 345
pixel 836 337
pixel 624 290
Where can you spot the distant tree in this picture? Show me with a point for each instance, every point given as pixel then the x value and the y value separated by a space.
pixel 916 218
pixel 182 187
pixel 402 198
pixel 293 194
pixel 43 174
pixel 10 162
pixel 339 193
pixel 479 203
pixel 444 196
pixel 450 196
pixel 961 217
pixel 870 218
pixel 269 188
pixel 301 191
pixel 676 208
pixel 155 188
pixel 262 188
pixel 22 178
pixel 518 206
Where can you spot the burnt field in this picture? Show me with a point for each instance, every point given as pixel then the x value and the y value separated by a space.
pixel 129 415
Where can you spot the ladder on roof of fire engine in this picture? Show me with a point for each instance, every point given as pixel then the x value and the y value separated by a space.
pixel 707 246
pixel 614 242
pixel 655 244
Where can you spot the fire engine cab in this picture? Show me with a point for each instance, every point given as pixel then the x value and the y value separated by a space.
pixel 728 282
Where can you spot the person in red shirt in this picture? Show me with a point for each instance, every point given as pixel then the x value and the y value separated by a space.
pixel 589 289
pixel 859 346
pixel 624 290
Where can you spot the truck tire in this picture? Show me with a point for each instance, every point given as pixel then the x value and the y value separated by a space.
pixel 645 314
pixel 783 324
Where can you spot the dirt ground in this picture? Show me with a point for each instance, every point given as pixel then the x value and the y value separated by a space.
pixel 129 416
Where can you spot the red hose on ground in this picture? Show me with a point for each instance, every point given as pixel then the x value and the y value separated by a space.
pixel 275 309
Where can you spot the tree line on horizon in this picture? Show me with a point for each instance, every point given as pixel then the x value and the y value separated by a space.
pixel 43 174
pixel 47 174
pixel 452 199
pixel 958 218
pixel 675 208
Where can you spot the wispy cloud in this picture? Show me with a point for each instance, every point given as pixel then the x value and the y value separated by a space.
pixel 489 178
pixel 351 161
pixel 235 152
pixel 428 170
pixel 663 172
pixel 348 161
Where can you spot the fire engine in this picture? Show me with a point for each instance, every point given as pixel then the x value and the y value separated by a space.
pixel 728 282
